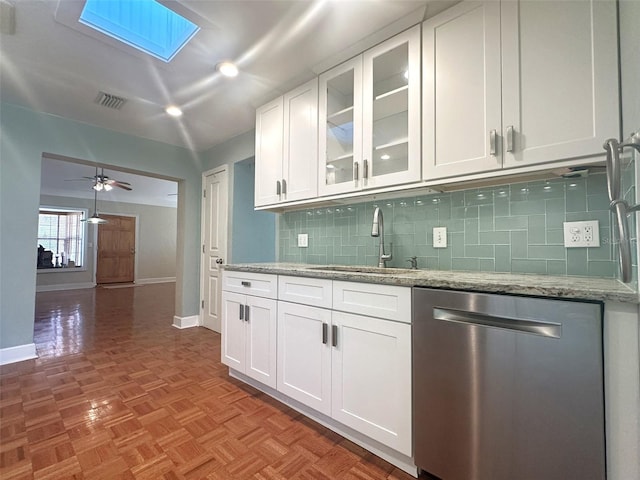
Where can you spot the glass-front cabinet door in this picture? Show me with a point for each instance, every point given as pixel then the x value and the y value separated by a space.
pixel 391 111
pixel 369 118
pixel 340 122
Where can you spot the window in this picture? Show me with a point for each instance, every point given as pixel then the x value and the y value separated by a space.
pixel 146 25
pixel 60 237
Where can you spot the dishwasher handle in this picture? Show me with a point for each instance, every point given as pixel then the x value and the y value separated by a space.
pixel 545 329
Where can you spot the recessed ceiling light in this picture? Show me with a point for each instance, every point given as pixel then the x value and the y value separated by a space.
pixel 227 69
pixel 173 111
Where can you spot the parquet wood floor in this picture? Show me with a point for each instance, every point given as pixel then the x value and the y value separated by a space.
pixel 118 393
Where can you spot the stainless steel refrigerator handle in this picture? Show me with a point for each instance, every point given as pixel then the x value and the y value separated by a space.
pixel 545 329
pixel 624 246
pixel 613 168
pixel 492 142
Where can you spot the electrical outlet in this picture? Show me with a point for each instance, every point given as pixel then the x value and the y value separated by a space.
pixel 303 239
pixel 439 237
pixel 582 234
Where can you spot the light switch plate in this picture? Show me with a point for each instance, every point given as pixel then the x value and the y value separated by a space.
pixel 303 239
pixel 582 234
pixel 439 237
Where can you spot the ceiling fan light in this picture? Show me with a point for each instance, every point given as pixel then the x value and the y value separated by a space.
pixel 107 187
pixel 98 186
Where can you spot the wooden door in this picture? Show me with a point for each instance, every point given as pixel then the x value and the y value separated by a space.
pixel 214 246
pixel 116 250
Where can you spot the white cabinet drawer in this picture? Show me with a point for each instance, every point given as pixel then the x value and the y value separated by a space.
pixel 308 291
pixel 383 301
pixel 258 284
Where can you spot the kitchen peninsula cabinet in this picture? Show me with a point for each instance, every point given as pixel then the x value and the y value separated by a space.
pixel 287 147
pixel 369 118
pixel 517 83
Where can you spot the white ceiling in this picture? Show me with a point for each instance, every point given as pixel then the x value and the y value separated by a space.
pixel 48 66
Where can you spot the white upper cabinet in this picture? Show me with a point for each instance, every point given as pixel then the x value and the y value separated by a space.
pixel 461 90
pixel 517 83
pixel 560 79
pixel 287 147
pixel 369 118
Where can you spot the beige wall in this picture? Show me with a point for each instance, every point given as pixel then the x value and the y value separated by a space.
pixel 157 233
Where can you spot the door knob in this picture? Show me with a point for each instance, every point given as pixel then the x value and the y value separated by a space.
pixel 219 261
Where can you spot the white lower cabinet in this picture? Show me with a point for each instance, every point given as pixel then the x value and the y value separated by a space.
pixel 353 368
pixel 371 378
pixel 249 336
pixel 304 355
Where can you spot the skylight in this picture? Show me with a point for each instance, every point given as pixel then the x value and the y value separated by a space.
pixel 143 24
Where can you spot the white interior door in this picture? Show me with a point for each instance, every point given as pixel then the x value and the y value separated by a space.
pixel 214 245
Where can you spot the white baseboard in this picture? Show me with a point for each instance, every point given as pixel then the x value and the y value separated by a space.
pixel 146 281
pixel 18 353
pixel 186 322
pixel 64 286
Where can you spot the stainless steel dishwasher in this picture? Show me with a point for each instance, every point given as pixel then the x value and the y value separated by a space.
pixel 507 387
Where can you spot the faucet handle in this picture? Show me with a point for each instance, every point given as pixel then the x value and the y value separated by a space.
pixel 414 262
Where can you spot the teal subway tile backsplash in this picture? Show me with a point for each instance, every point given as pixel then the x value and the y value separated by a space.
pixel 514 228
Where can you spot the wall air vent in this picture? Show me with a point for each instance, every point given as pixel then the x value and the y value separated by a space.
pixel 110 101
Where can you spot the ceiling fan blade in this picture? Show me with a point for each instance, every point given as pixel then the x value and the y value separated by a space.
pixel 124 187
pixel 76 179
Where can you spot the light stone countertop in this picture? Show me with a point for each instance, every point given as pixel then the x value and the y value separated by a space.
pixel 586 288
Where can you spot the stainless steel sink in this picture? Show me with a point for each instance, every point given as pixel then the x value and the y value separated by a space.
pixel 364 269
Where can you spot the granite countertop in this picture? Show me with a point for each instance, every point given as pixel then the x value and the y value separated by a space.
pixel 604 289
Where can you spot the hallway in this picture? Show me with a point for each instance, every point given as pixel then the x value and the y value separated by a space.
pixel 119 393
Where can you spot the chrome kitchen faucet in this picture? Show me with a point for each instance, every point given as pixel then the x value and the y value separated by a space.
pixel 378 231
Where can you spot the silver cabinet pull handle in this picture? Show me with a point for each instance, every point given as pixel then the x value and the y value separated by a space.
pixel 246 313
pixel 356 174
pixel 278 188
pixel 613 168
pixel 325 333
pixel 334 335
pixel 241 312
pixel 510 134
pixel 244 283
pixel 365 172
pixel 492 142
pixel 284 186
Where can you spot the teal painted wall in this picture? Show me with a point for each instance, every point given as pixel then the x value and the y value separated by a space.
pixel 513 228
pixel 26 135
pixel 253 232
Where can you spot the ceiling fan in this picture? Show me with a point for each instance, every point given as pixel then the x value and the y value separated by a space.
pixel 103 182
